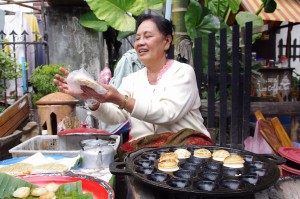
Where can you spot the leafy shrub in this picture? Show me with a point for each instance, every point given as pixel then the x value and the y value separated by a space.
pixel 42 80
pixel 9 69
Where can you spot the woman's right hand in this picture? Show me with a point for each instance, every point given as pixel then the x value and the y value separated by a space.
pixel 63 86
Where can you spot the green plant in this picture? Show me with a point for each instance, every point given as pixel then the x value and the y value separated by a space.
pixel 116 19
pixel 210 17
pixel 118 14
pixel 42 80
pixel 9 69
pixel 207 17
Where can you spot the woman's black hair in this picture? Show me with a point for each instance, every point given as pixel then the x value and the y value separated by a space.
pixel 164 26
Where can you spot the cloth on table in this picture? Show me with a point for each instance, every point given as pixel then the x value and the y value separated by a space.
pixel 182 137
pixel 185 51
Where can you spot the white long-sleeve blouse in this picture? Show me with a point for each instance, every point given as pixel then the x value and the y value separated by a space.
pixel 169 106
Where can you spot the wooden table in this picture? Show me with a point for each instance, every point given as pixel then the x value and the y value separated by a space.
pixel 269 109
pixel 272 109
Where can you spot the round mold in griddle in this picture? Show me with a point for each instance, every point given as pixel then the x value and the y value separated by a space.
pixel 213 165
pixel 144 163
pixel 257 164
pixel 161 151
pixel 197 160
pixel 259 172
pixel 151 156
pixel 231 171
pixel 158 177
pixel 231 184
pixel 248 158
pixel 206 185
pixel 179 182
pixel 232 152
pixel 250 178
pixel 193 148
pixel 210 175
pixel 189 166
pixel 146 170
pixel 238 184
pixel 186 174
pixel 172 149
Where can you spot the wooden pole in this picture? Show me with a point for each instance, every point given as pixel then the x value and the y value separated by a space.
pixel 178 12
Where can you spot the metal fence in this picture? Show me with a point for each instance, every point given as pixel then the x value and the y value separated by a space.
pixel 291 50
pixel 35 53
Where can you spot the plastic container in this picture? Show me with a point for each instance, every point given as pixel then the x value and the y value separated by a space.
pixel 271 63
pixel 292 156
pixel 253 56
pixel 262 62
pixel 59 145
pixel 284 62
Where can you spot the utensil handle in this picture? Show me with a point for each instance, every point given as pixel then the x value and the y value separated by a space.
pixel 138 152
pixel 275 158
pixel 118 168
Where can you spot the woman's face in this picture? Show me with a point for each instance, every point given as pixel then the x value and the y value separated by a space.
pixel 150 44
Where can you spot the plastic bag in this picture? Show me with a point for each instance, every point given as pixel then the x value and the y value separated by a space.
pixel 70 121
pixel 81 77
pixel 257 144
pixel 105 75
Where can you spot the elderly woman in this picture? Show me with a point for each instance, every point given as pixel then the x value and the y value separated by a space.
pixel 161 101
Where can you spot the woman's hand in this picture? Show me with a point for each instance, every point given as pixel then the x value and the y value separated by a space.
pixel 61 82
pixel 112 95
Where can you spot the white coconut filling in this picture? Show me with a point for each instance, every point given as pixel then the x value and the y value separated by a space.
pixel 234 165
pixel 169 169
pixel 219 159
pixel 199 156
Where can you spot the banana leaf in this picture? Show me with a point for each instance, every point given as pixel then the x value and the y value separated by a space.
pixel 234 5
pixel 89 20
pixel 72 191
pixel 8 184
pixel 218 7
pixel 244 16
pixel 117 13
pixel 200 22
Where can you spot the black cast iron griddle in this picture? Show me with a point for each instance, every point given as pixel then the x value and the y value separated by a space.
pixel 202 176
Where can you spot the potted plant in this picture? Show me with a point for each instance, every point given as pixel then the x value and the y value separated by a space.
pixel 41 80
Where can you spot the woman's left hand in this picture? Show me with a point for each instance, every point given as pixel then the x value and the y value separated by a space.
pixel 63 86
pixel 112 95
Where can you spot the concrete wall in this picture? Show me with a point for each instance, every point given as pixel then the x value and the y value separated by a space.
pixel 70 43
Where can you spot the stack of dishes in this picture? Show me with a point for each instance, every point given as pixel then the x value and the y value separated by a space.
pixel 292 156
